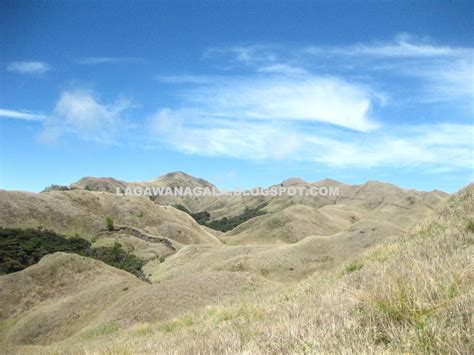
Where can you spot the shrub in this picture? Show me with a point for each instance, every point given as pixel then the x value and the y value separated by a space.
pixel 201 217
pixel 20 248
pixel 182 208
pixel 110 224
pixel 119 258
pixel 226 224
pixel 353 267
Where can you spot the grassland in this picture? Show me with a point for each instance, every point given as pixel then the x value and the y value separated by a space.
pixel 412 295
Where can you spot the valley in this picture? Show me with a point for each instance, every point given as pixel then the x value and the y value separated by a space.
pixel 193 274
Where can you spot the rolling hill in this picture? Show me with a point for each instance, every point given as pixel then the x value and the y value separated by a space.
pixel 370 287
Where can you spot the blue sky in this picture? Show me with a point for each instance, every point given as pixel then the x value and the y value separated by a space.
pixel 240 93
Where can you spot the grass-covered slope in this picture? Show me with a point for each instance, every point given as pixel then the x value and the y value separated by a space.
pixel 68 297
pixel 20 248
pixel 277 262
pixel 413 296
pixel 85 213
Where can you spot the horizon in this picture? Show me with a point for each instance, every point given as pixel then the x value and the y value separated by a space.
pixel 239 94
pixel 240 188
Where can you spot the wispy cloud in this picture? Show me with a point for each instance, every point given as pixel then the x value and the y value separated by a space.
pixel 448 81
pixel 324 105
pixel 440 73
pixel 312 98
pixel 80 113
pixel 28 67
pixel 22 115
pixel 284 69
pixel 443 145
pixel 248 55
pixel 404 46
pixel 108 60
pixel 184 79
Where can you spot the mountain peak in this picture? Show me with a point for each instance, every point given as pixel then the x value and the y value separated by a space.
pixel 328 181
pixel 180 178
pixel 293 181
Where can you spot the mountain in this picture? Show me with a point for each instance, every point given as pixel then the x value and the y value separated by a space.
pixel 280 219
pixel 292 218
pixel 170 180
pixel 367 287
pixel 143 227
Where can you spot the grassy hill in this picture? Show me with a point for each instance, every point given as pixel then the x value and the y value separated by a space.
pixel 410 294
pixel 287 219
pixel 67 296
pixel 85 212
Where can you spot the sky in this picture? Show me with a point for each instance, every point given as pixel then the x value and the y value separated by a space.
pixel 241 93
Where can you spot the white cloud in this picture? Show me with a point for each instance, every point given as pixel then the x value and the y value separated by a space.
pixel 184 79
pixel 28 67
pixel 311 99
pixel 22 115
pixel 442 145
pixel 80 113
pixel 247 55
pixel 449 81
pixel 108 60
pixel 284 109
pixel 415 70
pixel 284 69
pixel 404 46
pixel 447 146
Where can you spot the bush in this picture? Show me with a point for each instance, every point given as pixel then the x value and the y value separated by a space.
pixel 201 217
pixel 20 248
pixel 110 224
pixel 224 224
pixel 56 188
pixel 182 208
pixel 117 257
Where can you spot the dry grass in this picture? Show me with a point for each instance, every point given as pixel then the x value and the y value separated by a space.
pixel 287 263
pixel 85 213
pixel 414 297
pixel 66 296
pixel 290 219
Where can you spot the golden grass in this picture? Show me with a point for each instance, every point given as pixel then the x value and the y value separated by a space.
pixel 415 296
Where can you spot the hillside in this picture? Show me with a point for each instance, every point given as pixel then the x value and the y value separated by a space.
pixel 281 262
pixel 288 219
pixel 413 295
pixel 173 179
pixel 142 227
pixel 292 218
pixel 66 295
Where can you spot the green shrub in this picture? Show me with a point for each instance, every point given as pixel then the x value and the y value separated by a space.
pixel 201 217
pixel 226 224
pixel 119 258
pixel 20 248
pixel 110 224
pixel 182 208
pixel 353 267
